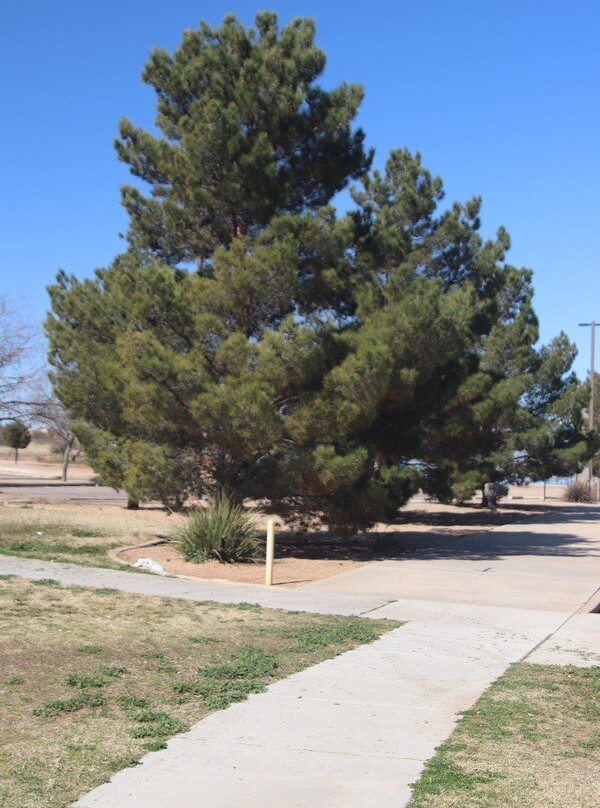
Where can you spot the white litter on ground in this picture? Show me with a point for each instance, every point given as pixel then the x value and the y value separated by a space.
pixel 149 564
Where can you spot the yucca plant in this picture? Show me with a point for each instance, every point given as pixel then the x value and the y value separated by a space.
pixel 223 530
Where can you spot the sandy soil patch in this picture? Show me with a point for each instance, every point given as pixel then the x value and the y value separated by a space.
pixel 288 572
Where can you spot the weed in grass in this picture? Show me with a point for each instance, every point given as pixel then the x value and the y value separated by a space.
pixel 105 590
pixel 217 694
pixel 112 671
pixel 442 776
pixel 161 662
pixel 85 533
pixel 51 709
pixel 6 577
pixel 247 607
pixel 132 702
pixel 221 684
pixel 94 680
pixel 222 694
pixel 192 688
pixel 47 582
pixel 312 638
pixel 149 716
pixel 250 662
pixel 13 681
pixel 127 762
pixel 155 746
pixel 203 640
pixel 99 678
pixel 90 649
pixel 155 724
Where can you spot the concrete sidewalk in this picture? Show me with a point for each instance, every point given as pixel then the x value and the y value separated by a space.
pixel 355 731
pixel 292 600
pixel 548 562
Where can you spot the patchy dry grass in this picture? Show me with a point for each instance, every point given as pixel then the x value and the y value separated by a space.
pixel 76 533
pixel 56 542
pixel 531 741
pixel 92 679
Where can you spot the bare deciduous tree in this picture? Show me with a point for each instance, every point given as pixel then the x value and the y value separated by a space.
pixel 52 414
pixel 18 373
pixel 24 388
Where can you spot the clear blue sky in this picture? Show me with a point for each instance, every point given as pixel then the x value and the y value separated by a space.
pixel 502 99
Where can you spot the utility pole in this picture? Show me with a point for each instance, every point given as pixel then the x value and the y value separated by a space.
pixel 592 327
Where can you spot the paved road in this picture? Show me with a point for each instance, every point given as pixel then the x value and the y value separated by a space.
pixel 31 484
pixel 356 730
pixel 44 492
pixel 37 481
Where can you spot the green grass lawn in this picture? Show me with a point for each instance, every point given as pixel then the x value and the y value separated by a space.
pixel 531 741
pixel 92 679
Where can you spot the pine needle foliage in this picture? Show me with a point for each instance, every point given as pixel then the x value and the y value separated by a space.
pixel 253 340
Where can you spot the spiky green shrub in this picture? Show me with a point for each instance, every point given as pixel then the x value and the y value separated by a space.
pixel 223 530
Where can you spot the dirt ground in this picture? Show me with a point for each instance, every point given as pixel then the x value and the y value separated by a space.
pixel 300 559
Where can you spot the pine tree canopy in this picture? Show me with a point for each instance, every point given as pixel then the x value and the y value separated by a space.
pixel 328 365
pixel 245 133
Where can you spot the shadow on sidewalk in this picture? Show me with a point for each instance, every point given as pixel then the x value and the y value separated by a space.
pixel 443 541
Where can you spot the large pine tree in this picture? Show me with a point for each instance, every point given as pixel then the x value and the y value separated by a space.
pixel 328 365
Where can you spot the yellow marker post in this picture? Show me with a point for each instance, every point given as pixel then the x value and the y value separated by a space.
pixel 270 552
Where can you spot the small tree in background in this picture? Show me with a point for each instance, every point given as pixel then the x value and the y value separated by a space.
pixel 48 410
pixel 17 436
